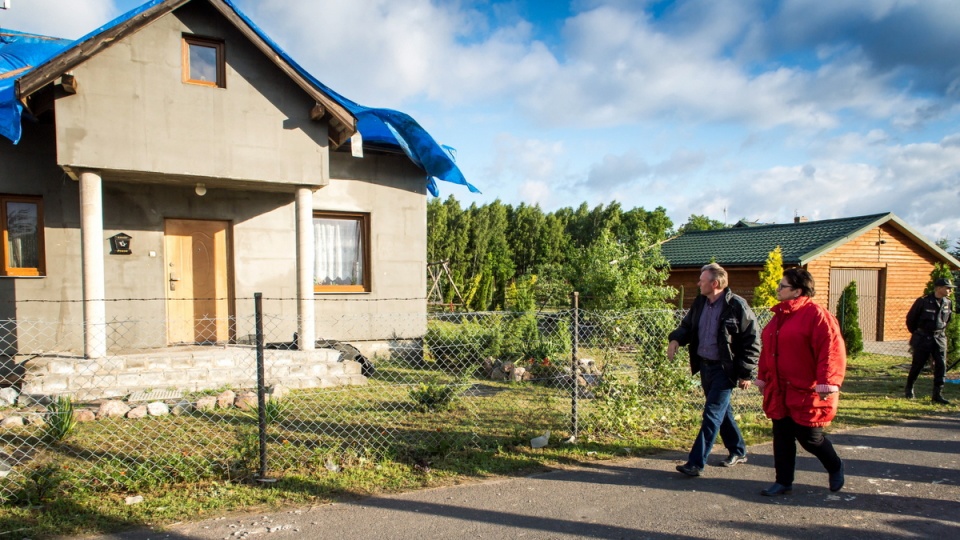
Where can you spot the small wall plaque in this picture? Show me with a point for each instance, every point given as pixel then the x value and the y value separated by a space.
pixel 120 244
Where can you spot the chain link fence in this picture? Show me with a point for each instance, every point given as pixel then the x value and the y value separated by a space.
pixel 250 402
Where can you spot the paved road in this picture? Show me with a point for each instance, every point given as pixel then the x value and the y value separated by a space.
pixel 903 481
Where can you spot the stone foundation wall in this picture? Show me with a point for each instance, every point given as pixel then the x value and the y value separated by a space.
pixel 202 368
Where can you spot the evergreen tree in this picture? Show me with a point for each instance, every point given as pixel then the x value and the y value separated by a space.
pixel 492 245
pixel 848 311
pixel 765 294
pixel 941 270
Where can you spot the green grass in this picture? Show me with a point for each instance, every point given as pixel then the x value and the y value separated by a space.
pixel 335 444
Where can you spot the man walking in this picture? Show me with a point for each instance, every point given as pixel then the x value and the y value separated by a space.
pixel 927 321
pixel 722 333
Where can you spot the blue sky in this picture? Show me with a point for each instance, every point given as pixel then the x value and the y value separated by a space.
pixel 728 108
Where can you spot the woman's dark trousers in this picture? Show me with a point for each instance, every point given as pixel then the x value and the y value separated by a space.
pixel 786 433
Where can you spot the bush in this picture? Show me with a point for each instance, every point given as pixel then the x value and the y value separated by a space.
pixel 60 419
pixel 435 395
pixel 848 311
pixel 273 411
pixel 460 346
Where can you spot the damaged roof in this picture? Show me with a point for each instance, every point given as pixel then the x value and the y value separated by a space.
pixel 30 62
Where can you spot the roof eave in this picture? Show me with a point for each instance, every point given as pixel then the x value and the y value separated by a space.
pixel 920 239
pixel 810 256
pixel 887 218
pixel 70 58
pixel 343 123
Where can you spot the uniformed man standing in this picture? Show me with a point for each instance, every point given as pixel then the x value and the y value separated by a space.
pixel 927 321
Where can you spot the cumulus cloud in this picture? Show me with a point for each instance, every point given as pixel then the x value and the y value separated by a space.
pixel 902 37
pixel 918 182
pixel 58 18
pixel 382 52
pixel 531 170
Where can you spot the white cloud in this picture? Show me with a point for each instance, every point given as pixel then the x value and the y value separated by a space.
pixel 68 19
pixel 918 182
pixel 531 170
pixel 382 52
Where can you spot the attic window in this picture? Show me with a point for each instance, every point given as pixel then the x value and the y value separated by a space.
pixel 203 62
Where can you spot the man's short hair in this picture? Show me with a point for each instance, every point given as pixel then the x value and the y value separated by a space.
pixel 718 274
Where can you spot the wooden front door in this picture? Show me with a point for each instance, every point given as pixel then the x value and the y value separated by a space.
pixel 198 281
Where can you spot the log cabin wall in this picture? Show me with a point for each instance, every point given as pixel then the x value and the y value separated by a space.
pixel 742 282
pixel 904 267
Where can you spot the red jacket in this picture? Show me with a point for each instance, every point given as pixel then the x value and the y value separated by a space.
pixel 803 351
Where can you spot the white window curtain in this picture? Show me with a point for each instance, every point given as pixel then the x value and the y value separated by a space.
pixel 339 251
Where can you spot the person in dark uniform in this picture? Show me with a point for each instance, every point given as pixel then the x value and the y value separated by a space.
pixel 927 321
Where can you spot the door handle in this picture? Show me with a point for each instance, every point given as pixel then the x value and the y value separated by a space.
pixel 173 281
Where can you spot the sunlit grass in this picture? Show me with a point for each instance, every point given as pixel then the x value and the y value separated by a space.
pixel 346 442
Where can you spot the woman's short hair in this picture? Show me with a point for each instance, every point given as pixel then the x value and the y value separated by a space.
pixel 800 279
pixel 718 274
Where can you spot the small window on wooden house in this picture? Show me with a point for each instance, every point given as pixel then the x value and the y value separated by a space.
pixel 203 62
pixel 342 252
pixel 21 220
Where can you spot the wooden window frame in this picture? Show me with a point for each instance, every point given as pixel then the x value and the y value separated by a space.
pixel 6 270
pixel 216 44
pixel 364 220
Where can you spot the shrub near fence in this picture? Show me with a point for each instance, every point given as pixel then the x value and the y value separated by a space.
pixel 456 389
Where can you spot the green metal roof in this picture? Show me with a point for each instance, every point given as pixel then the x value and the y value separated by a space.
pixel 800 242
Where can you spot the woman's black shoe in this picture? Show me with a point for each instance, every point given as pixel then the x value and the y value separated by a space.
pixel 776 489
pixel 836 479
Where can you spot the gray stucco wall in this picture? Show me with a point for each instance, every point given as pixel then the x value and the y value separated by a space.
pixel 49 311
pixel 134 113
pixel 142 128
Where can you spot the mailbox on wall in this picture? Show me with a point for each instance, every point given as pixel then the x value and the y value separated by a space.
pixel 120 244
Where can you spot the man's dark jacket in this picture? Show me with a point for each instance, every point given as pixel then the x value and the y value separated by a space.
pixel 927 320
pixel 738 338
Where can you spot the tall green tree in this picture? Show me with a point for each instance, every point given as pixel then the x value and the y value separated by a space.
pixel 610 275
pixel 848 313
pixel 765 294
pixel 526 224
pixel 490 255
pixel 697 222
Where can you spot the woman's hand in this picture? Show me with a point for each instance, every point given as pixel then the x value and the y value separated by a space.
pixel 825 395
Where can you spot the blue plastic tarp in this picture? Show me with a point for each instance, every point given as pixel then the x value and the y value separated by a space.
pixel 20 53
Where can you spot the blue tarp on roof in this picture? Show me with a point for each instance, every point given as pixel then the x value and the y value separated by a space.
pixel 20 53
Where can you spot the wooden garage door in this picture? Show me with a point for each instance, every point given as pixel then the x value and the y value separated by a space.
pixel 868 294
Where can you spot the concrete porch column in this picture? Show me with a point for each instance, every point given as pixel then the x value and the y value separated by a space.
pixel 91 236
pixel 306 325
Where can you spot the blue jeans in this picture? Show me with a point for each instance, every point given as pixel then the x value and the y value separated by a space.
pixel 717 417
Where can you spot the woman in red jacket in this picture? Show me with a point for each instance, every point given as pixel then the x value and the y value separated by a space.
pixel 800 372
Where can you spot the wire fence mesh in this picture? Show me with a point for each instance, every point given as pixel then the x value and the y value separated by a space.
pixel 147 413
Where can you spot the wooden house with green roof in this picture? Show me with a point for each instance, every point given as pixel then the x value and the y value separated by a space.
pixel 890 261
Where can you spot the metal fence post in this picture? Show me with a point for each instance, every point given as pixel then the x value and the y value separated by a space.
pixel 261 393
pixel 575 367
